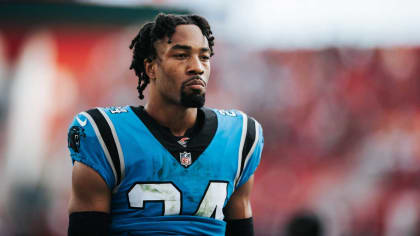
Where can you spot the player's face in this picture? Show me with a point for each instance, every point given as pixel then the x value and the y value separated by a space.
pixel 183 66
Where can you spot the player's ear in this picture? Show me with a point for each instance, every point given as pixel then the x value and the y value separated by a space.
pixel 150 68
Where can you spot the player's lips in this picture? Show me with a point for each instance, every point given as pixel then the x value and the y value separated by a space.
pixel 195 81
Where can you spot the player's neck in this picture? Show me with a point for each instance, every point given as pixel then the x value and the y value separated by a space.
pixel 176 117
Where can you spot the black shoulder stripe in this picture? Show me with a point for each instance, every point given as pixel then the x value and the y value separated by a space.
pixel 249 141
pixel 108 138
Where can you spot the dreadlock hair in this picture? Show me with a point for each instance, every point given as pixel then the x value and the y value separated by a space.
pixel 163 25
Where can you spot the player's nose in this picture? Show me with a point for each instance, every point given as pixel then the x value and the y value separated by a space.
pixel 195 66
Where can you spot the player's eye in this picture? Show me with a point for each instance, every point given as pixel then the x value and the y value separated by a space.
pixel 205 58
pixel 181 56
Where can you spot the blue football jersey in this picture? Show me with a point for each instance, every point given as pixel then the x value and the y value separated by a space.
pixel 162 184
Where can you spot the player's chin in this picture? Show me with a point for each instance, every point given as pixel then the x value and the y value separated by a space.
pixel 194 99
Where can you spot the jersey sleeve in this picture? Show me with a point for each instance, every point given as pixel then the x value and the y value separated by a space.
pixel 253 156
pixel 86 146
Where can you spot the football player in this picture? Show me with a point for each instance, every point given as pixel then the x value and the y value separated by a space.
pixel 171 167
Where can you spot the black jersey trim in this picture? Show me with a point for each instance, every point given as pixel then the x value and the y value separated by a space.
pixel 249 141
pixel 108 138
pixel 251 151
pixel 201 134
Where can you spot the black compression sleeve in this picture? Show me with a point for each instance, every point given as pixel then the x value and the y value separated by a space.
pixel 90 223
pixel 242 227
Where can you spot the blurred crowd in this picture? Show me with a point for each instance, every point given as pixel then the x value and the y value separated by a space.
pixel 342 132
pixel 341 128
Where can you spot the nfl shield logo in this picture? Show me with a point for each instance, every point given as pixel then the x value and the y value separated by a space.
pixel 185 158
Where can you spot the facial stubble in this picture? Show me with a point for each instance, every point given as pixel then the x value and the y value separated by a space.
pixel 195 98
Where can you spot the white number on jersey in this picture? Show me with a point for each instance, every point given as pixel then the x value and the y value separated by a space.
pixel 211 204
pixel 164 192
pixel 227 113
pixel 213 200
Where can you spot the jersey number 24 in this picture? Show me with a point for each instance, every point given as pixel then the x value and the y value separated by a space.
pixel 211 204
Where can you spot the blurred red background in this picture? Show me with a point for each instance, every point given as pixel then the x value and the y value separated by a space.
pixel 341 125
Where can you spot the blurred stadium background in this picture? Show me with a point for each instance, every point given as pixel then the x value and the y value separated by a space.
pixel 336 86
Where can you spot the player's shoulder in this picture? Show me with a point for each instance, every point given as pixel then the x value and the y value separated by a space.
pixel 96 115
pixel 116 109
pixel 231 118
pixel 231 114
pixel 234 115
pixel 104 111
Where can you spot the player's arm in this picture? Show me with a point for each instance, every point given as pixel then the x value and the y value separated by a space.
pixel 238 212
pixel 89 204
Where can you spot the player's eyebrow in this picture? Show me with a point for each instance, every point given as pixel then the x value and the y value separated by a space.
pixel 188 48
pixel 204 49
pixel 181 47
